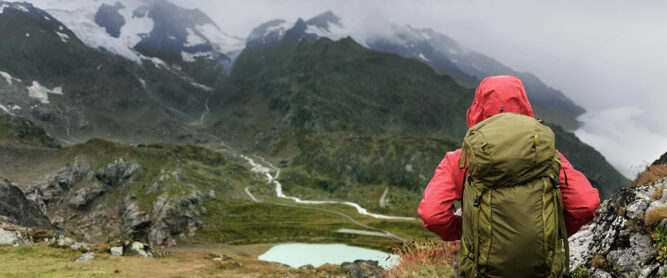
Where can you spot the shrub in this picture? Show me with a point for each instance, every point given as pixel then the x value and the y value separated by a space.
pixel 652 174
pixel 424 258
pixel 654 216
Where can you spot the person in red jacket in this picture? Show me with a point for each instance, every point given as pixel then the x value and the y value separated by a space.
pixel 498 94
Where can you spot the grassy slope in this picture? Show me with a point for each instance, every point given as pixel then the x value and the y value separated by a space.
pixel 39 260
pixel 232 217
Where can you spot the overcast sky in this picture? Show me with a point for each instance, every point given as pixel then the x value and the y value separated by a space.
pixel 608 56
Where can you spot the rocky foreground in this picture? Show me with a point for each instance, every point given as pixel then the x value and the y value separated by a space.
pixel 628 237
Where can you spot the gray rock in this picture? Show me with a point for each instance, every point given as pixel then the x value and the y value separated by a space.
pixel 633 258
pixel 85 195
pixel 12 238
pixel 662 271
pixel 598 273
pixel 362 269
pixel 86 257
pixel 636 209
pixel 118 173
pixel 117 251
pixel 647 270
pixel 64 241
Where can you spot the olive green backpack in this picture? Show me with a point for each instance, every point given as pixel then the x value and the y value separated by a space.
pixel 512 206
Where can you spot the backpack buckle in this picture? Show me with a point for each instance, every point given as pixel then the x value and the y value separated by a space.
pixel 554 182
pixel 478 200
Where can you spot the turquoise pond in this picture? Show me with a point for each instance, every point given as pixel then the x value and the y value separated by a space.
pixel 300 254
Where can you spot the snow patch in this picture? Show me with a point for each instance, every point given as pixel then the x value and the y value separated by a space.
pixel 135 28
pixel 4 108
pixel 425 35
pixel 221 41
pixel 41 93
pixel 8 77
pixel 14 107
pixel 421 56
pixel 63 37
pixel 2 8
pixel 27 35
pixel 201 86
pixel 193 39
pixel 192 57
pixel 21 8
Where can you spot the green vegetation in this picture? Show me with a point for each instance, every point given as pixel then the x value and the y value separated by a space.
pixel 580 272
pixel 19 131
pixel 659 236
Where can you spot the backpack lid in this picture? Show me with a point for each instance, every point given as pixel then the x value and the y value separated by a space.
pixel 509 149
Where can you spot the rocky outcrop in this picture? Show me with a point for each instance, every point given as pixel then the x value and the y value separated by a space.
pixel 16 209
pixel 51 192
pixel 118 173
pixel 618 242
pixel 176 216
pixel 136 222
pixel 81 201
pixel 85 195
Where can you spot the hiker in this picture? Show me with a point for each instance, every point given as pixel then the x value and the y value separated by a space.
pixel 515 188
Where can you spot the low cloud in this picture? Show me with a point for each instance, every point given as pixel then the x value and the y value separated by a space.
pixel 620 134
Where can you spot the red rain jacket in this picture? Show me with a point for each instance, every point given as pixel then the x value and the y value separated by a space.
pixel 495 95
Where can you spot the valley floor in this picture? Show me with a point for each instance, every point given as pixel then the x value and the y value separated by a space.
pixel 40 260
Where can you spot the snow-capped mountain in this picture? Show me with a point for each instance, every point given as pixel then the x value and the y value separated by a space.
pixel 49 76
pixel 440 51
pixel 136 29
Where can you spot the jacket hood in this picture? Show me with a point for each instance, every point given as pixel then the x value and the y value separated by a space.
pixel 498 94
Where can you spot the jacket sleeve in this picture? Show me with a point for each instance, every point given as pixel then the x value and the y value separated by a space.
pixel 580 199
pixel 437 206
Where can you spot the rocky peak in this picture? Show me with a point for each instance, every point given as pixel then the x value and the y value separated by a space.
pixel 324 20
pixel 661 160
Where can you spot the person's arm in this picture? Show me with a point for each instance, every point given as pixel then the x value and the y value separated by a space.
pixel 580 199
pixel 437 206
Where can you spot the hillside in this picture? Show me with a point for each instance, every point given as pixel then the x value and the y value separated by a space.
pixel 441 52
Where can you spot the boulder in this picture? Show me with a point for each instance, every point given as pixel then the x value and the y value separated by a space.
pixel 116 251
pixel 86 257
pixel 13 238
pixel 362 269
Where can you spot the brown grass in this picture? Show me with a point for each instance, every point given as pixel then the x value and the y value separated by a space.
pixel 651 174
pixel 424 258
pixel 654 216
